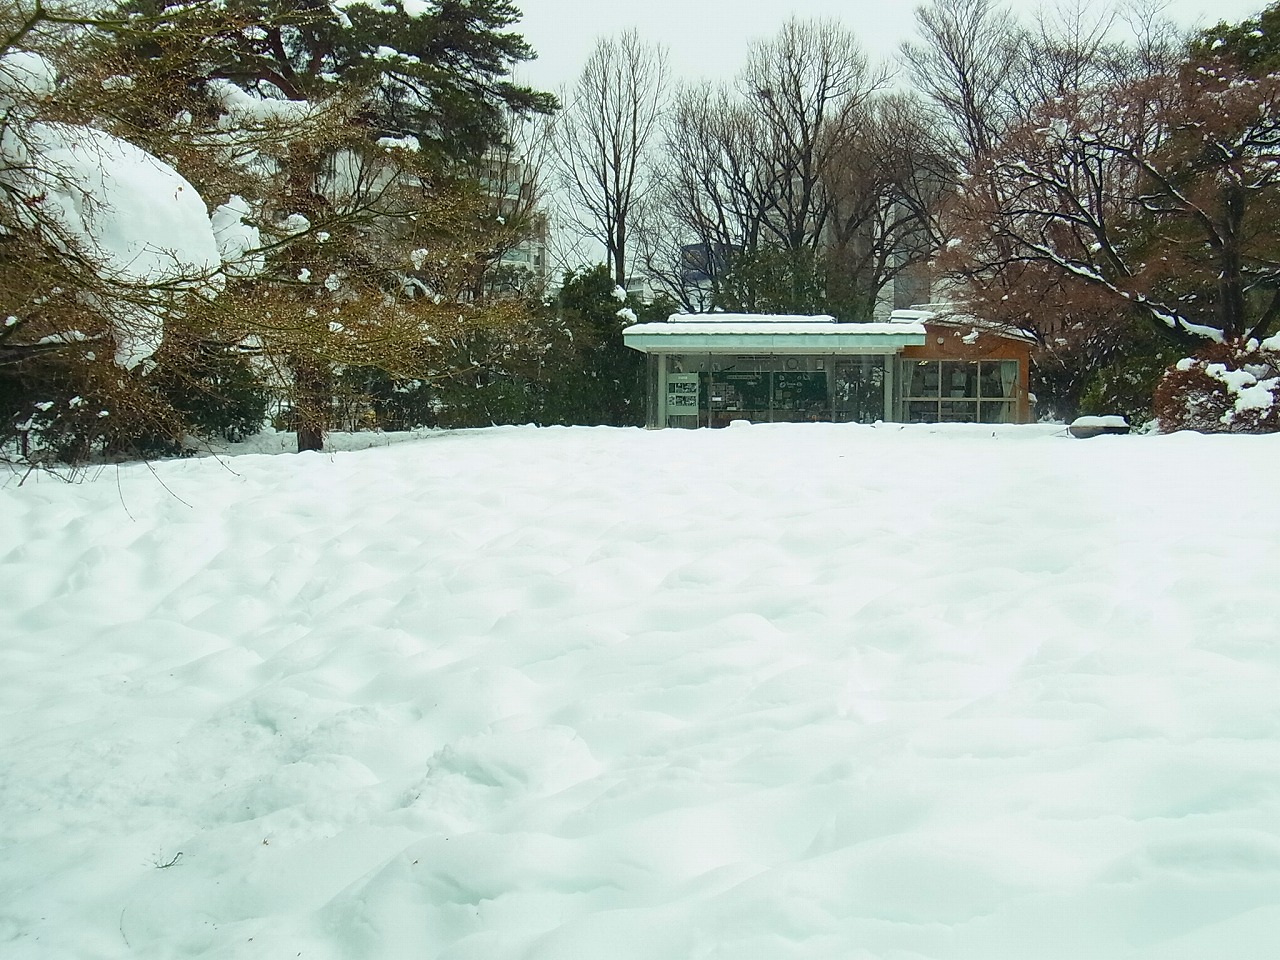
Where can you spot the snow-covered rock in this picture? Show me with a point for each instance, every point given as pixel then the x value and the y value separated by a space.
pixel 1092 426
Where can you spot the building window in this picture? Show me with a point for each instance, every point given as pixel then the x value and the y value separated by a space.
pixel 959 391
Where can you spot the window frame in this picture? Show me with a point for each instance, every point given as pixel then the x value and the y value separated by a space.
pixel 1004 402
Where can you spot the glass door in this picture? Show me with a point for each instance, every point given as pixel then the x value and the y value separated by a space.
pixel 857 389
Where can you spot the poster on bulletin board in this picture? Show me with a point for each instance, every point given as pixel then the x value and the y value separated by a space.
pixel 682 394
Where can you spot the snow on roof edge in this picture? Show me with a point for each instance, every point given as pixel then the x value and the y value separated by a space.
pixel 946 314
pixel 750 318
pixel 777 327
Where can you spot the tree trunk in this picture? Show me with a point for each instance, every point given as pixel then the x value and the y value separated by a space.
pixel 313 394
pixel 1231 300
pixel 620 254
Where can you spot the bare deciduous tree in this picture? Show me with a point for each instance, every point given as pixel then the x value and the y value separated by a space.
pixel 774 162
pixel 718 191
pixel 967 54
pixel 1045 221
pixel 884 186
pixel 809 87
pixel 604 137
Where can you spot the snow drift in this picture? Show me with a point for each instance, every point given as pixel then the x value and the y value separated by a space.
pixel 780 692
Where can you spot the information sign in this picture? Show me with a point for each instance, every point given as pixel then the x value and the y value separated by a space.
pixel 682 394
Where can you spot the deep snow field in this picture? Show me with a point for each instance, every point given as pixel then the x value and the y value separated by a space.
pixel 794 691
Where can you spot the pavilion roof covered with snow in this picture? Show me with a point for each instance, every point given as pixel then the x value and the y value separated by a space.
pixel 774 333
pixel 921 365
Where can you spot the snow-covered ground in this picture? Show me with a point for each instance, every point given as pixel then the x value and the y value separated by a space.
pixel 803 691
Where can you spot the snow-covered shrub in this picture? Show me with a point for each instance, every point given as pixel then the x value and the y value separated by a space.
pixel 54 411
pixel 1229 387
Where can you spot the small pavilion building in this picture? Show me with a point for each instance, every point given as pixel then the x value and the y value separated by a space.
pixel 920 366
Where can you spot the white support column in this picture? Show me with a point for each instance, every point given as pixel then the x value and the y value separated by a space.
pixel 890 375
pixel 662 391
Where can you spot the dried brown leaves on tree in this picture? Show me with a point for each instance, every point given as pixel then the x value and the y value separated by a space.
pixel 346 251
pixel 1158 195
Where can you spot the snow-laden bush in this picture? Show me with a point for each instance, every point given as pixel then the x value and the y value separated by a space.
pixel 1231 387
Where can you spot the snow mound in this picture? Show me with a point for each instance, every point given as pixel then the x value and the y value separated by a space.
pixel 134 216
pixel 25 77
pixel 239 241
pixel 132 210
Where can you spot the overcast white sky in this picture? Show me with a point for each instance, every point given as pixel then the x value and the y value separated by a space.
pixel 709 38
